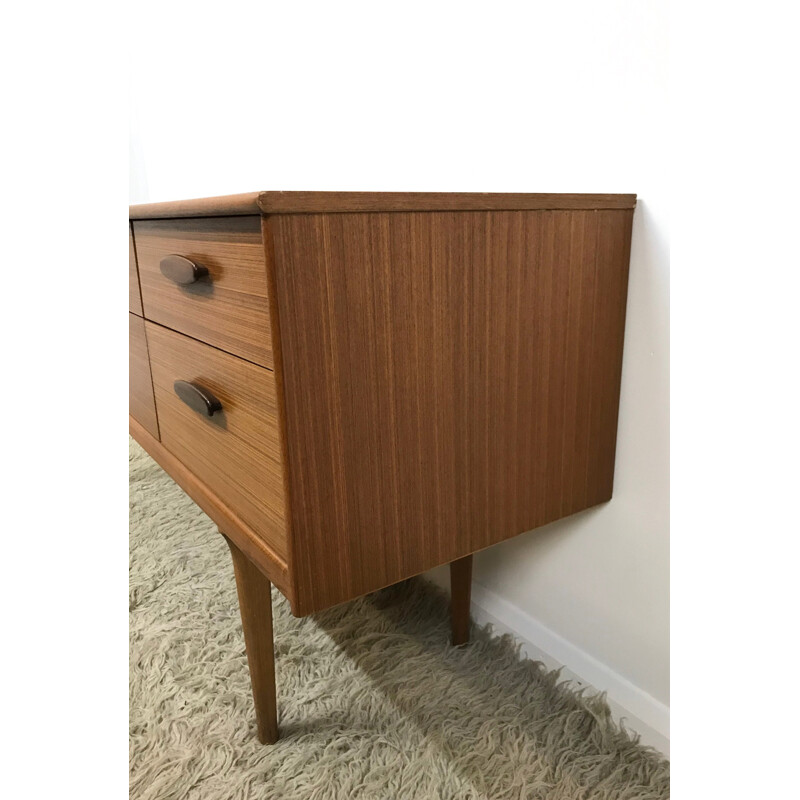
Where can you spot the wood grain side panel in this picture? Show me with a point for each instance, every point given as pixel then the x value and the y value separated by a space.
pixel 230 308
pixel 236 452
pixel 451 380
pixel 141 403
pixel 134 296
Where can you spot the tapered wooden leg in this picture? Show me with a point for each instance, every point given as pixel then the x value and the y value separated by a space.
pixel 460 589
pixel 255 606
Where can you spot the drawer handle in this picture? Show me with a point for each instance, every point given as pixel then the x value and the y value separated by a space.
pixel 181 270
pixel 197 397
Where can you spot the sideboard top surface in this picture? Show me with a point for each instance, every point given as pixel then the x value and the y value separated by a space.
pixel 350 202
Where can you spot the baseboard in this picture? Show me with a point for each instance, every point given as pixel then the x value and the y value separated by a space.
pixel 638 710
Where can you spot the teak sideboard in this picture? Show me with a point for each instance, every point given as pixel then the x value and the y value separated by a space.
pixel 358 387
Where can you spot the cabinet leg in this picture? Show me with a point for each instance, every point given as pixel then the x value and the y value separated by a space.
pixel 460 589
pixel 255 606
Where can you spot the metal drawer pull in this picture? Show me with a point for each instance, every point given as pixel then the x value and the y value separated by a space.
pixel 181 270
pixel 197 397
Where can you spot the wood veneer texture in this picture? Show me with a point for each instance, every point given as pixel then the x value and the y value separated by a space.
pixel 237 451
pixel 229 309
pixel 450 380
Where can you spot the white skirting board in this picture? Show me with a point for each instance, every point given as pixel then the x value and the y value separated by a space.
pixel 640 712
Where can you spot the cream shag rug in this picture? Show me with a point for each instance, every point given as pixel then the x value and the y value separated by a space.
pixel 373 702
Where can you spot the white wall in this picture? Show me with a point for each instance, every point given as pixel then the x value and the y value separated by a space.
pixel 547 97
pixel 592 590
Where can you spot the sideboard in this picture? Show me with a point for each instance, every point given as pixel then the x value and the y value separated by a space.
pixel 357 387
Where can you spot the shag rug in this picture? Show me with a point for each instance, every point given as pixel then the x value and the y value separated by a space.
pixel 373 702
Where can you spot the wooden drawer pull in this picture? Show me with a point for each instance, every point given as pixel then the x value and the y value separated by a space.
pixel 181 270
pixel 197 397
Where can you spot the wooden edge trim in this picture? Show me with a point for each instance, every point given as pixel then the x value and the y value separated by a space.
pixel 277 364
pixel 230 524
pixel 232 205
pixel 350 202
pixel 346 202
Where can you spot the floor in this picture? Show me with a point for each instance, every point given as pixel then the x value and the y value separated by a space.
pixel 373 701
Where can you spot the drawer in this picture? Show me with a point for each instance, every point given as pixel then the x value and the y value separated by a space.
pixel 236 452
pixel 141 404
pixel 134 297
pixel 227 308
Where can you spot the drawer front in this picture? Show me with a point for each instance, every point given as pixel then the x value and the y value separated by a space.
pixel 236 452
pixel 141 404
pixel 134 297
pixel 227 308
